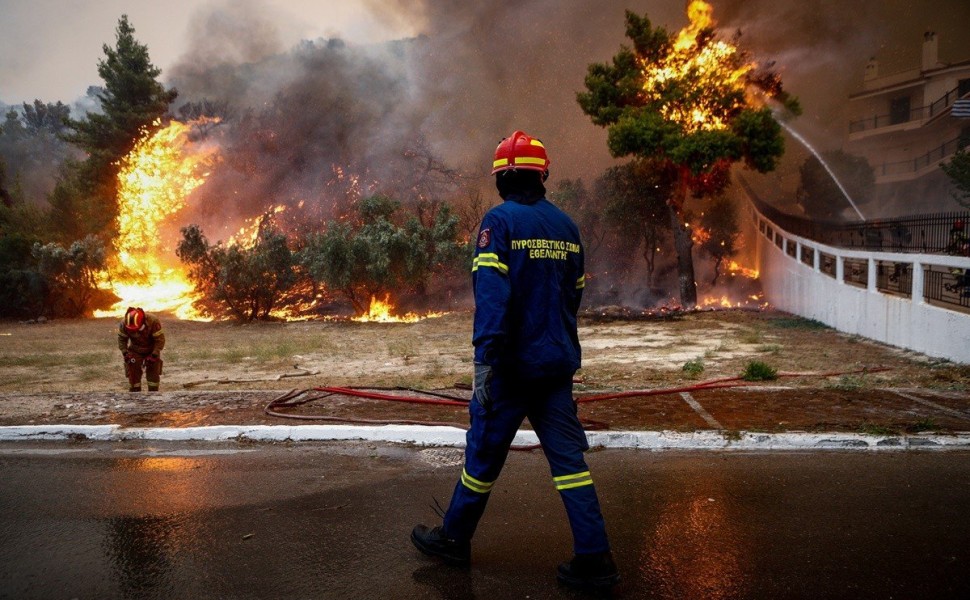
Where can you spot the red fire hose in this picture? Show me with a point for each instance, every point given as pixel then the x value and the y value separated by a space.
pixel 295 398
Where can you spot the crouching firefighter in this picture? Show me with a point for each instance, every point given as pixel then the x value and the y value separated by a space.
pixel 528 281
pixel 140 339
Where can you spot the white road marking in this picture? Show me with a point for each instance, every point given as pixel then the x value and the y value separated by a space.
pixel 950 411
pixel 700 410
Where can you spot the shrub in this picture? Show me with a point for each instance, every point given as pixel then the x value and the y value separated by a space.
pixel 693 368
pixel 759 371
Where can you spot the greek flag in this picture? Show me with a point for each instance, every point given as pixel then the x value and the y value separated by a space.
pixel 961 109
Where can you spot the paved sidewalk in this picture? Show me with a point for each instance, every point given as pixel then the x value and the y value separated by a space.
pixel 755 417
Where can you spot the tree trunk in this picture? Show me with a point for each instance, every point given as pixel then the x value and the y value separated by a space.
pixel 683 244
pixel 717 269
pixel 649 254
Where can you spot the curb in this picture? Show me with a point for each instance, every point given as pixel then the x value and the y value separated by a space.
pixel 455 437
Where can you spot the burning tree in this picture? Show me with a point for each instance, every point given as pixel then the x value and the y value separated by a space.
pixel 377 254
pixel 132 101
pixel 246 283
pixel 721 232
pixel 692 102
pixel 155 180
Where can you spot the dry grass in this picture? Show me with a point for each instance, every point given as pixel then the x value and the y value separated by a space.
pixel 81 355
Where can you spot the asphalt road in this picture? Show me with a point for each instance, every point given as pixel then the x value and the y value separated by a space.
pixel 133 520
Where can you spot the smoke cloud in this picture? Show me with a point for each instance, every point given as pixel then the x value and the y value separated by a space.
pixel 326 119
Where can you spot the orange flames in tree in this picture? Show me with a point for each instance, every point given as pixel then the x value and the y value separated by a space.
pixel 381 311
pixel 248 232
pixel 703 70
pixel 154 181
pixel 699 235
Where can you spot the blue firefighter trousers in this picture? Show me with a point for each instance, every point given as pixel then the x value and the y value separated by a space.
pixel 552 412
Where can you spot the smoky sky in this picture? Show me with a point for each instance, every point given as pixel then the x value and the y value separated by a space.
pixel 475 71
pixel 481 70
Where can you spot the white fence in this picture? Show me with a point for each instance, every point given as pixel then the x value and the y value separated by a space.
pixel 878 295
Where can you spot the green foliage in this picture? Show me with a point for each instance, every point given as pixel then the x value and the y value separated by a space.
pixel 70 276
pixel 620 97
pixel 870 428
pixel 798 323
pixel 41 117
pixel 758 371
pixel 636 204
pixel 759 135
pixel 586 209
pixel 958 170
pixel 7 195
pixel 693 368
pixel 819 195
pixel 849 383
pixel 926 424
pixel 375 254
pixel 31 152
pixel 720 220
pixel 22 289
pixel 236 282
pixel 131 101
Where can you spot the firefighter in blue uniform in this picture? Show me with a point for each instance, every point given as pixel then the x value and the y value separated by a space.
pixel 528 280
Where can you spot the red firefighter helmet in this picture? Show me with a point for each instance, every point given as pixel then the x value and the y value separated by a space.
pixel 520 151
pixel 134 319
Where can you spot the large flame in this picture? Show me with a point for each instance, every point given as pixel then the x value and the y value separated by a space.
pixel 734 269
pixel 382 311
pixel 703 69
pixel 154 181
pixel 756 301
pixel 248 232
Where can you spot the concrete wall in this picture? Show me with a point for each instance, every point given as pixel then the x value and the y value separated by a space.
pixel 907 322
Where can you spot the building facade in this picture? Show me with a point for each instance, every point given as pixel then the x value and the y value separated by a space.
pixel 902 124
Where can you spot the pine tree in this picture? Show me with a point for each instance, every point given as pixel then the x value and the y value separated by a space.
pixel 131 100
pixel 683 103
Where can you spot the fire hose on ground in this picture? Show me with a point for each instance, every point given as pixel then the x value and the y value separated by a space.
pixel 300 397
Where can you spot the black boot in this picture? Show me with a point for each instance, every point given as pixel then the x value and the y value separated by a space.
pixel 595 571
pixel 434 542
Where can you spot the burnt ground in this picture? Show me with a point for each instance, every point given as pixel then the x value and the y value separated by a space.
pixel 218 373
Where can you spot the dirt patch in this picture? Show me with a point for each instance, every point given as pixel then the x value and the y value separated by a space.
pixel 216 373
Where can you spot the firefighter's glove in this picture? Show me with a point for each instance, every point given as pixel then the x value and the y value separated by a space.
pixel 483 386
pixel 154 357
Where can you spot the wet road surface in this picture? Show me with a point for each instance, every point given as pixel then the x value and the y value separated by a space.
pixel 138 520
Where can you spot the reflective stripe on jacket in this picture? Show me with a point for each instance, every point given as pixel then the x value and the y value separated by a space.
pixel 528 279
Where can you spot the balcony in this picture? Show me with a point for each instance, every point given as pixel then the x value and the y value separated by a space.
pixel 915 117
pixel 921 165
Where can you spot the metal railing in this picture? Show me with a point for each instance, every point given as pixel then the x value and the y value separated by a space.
pixel 946 285
pixel 856 271
pixel 916 114
pixel 926 234
pixel 894 277
pixel 905 167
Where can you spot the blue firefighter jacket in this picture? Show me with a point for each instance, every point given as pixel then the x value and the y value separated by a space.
pixel 528 278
